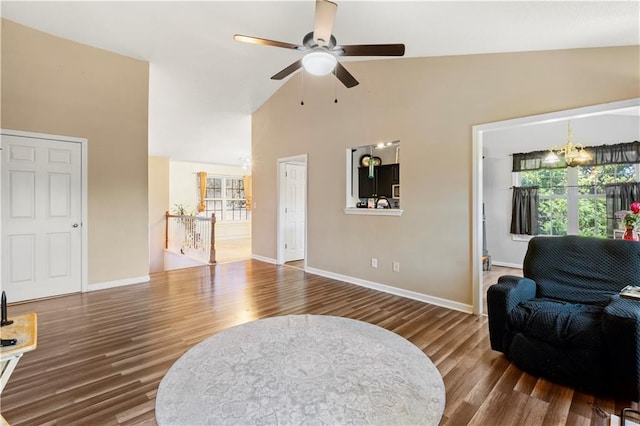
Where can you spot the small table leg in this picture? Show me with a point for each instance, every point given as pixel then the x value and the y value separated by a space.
pixel 7 369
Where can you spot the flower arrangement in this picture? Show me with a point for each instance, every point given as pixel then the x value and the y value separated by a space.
pixel 630 217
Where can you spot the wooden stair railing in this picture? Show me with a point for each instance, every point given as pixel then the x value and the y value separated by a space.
pixel 194 235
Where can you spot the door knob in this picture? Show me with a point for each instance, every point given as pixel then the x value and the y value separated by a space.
pixel 75 225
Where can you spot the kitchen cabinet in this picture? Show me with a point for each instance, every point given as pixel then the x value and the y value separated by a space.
pixel 395 174
pixel 380 185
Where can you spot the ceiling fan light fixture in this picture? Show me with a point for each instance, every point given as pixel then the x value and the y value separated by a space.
pixel 319 62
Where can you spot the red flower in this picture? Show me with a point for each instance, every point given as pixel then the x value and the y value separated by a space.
pixel 635 207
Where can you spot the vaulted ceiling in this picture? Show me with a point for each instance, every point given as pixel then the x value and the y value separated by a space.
pixel 204 86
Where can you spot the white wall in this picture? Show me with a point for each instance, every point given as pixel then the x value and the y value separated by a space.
pixel 183 189
pixel 497 178
pixel 497 203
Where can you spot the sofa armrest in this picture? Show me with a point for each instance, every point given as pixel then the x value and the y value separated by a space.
pixel 501 299
pixel 621 328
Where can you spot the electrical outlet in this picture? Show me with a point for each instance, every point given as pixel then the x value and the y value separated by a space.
pixel 396 266
pixel 374 262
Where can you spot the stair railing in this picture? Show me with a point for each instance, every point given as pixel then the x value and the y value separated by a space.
pixel 192 236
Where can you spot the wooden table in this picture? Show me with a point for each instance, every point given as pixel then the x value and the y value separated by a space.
pixel 25 330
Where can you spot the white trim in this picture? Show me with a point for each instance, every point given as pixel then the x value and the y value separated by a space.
pixel 20 133
pixel 476 204
pixel 119 283
pixel 84 144
pixel 84 183
pixel 373 212
pixel 264 259
pixel 349 181
pixel 506 264
pixel 477 287
pixel 301 160
pixel 445 303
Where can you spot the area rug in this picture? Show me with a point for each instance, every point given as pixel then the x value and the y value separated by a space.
pixel 302 370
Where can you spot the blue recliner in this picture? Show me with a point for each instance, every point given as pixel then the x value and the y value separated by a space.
pixel 565 320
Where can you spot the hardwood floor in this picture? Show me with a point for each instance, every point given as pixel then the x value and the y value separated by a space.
pixel 101 355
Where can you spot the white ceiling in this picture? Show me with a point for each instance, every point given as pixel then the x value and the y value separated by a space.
pixel 204 86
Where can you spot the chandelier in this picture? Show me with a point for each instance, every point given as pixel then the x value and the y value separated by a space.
pixel 573 154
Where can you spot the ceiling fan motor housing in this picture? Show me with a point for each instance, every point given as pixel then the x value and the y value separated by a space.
pixel 310 43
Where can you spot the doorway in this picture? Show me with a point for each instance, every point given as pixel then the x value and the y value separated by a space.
pixel 478 134
pixel 43 215
pixel 292 211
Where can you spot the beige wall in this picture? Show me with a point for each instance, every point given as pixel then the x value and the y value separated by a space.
pixel 51 85
pixel 430 104
pixel 159 172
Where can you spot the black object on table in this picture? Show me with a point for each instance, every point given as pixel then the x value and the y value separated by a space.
pixel 8 342
pixel 3 314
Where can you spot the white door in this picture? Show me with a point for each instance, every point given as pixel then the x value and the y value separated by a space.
pixel 295 211
pixel 41 217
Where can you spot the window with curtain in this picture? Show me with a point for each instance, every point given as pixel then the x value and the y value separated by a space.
pixel 225 196
pixel 574 200
pixel 618 197
pixel 622 153
pixel 524 216
pixel 582 200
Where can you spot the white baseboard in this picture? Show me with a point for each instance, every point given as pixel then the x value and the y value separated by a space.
pixel 118 283
pixel 445 303
pixel 264 259
pixel 507 264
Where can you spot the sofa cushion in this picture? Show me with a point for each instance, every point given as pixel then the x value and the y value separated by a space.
pixel 576 293
pixel 559 323
pixel 593 264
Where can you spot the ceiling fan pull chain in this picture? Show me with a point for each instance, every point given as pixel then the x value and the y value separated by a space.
pixel 335 88
pixel 302 88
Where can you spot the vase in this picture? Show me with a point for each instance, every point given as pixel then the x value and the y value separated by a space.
pixel 630 234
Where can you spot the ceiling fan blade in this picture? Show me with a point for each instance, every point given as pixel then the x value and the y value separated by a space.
pixel 371 50
pixel 266 42
pixel 288 70
pixel 345 76
pixel 325 16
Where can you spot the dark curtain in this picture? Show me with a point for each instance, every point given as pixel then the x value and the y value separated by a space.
pixel 616 154
pixel 619 196
pixel 524 212
pixel 534 161
pixel 628 152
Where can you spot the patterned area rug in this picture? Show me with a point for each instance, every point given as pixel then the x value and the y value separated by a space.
pixel 299 370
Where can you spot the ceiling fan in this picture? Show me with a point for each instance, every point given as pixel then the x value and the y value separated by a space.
pixel 322 48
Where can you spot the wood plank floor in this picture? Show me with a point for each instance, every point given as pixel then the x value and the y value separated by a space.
pixel 101 355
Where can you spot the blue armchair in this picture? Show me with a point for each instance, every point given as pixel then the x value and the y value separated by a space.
pixel 565 320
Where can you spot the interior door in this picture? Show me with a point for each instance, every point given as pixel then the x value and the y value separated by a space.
pixel 295 211
pixel 41 217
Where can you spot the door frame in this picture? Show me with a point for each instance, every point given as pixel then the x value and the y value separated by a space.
pixel 280 202
pixel 84 243
pixel 477 176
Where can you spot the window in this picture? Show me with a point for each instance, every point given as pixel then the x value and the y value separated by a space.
pixel 572 200
pixel 226 198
